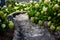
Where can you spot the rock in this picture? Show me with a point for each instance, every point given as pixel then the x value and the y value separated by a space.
pixel 57 35
pixel 25 30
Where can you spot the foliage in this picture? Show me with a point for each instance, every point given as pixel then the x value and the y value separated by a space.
pixel 38 12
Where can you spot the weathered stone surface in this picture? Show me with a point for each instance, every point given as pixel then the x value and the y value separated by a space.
pixel 25 30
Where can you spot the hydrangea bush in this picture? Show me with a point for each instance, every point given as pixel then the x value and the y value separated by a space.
pixel 38 12
pixel 5 23
pixel 46 10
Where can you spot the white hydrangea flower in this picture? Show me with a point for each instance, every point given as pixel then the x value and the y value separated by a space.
pixel 26 8
pixel 24 5
pixel 4 6
pixel 46 1
pixel 21 9
pixel 3 25
pixel 31 1
pixel 0 20
pixel 36 5
pixel 58 0
pixel 10 5
pixel 20 3
pixel 16 7
pixel 7 9
pixel 54 13
pixel 35 1
pixel 56 6
pixel 58 14
pixel 49 17
pixel 16 3
pixel 44 9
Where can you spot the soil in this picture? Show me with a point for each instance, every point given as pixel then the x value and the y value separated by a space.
pixel 8 35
